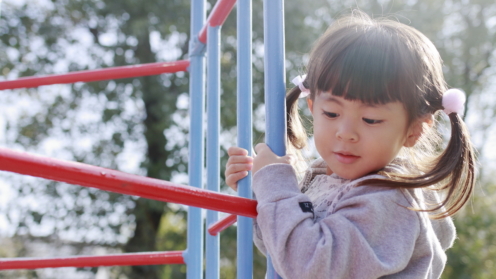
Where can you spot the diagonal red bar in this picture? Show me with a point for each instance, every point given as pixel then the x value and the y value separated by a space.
pixel 100 74
pixel 222 224
pixel 217 16
pixel 146 258
pixel 124 183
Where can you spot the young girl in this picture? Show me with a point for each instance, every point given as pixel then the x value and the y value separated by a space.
pixel 378 201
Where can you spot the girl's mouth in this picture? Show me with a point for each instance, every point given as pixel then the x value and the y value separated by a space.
pixel 346 158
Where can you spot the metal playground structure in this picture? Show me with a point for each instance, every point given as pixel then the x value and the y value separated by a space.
pixel 205 42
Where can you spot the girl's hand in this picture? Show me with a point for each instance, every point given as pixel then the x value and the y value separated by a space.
pixel 238 165
pixel 265 157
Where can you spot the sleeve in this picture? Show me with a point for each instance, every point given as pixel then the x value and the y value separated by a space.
pixel 257 235
pixel 371 233
pixel 317 167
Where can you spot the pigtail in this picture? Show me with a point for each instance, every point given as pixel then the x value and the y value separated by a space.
pixel 297 135
pixel 453 173
pixel 457 165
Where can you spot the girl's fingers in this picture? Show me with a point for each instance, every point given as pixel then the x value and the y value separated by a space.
pixel 238 165
pixel 233 179
pixel 239 160
pixel 235 168
pixel 237 151
pixel 234 172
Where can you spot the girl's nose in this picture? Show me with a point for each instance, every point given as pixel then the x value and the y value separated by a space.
pixel 347 133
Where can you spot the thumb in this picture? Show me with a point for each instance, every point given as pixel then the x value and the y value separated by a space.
pixel 260 147
pixel 253 153
pixel 290 158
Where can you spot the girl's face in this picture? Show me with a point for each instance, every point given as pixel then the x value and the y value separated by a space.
pixel 354 138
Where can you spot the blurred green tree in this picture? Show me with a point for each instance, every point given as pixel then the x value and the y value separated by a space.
pixel 140 125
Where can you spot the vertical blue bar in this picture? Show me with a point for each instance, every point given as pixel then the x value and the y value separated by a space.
pixel 275 89
pixel 194 252
pixel 244 116
pixel 213 147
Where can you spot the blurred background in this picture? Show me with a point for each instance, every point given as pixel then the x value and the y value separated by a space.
pixel 140 125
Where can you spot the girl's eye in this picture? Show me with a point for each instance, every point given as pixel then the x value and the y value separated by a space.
pixel 330 114
pixel 372 121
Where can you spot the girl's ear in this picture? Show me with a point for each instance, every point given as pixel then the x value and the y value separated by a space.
pixel 416 130
pixel 310 104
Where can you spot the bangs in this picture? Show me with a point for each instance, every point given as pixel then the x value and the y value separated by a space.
pixel 369 68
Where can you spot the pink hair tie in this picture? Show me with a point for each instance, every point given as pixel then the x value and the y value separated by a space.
pixel 298 81
pixel 454 101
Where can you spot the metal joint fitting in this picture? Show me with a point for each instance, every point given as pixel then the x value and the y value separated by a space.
pixel 196 48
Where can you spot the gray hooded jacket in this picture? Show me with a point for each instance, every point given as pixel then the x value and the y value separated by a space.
pixel 352 232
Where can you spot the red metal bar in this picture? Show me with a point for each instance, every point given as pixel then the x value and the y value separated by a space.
pixel 147 258
pixel 124 183
pixel 222 224
pixel 217 17
pixel 99 74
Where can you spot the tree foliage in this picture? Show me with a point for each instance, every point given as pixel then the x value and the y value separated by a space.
pixel 140 125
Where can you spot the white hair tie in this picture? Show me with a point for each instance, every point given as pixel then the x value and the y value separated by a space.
pixel 454 101
pixel 298 81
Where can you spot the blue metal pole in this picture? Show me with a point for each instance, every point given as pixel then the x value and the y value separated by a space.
pixel 194 252
pixel 244 116
pixel 275 89
pixel 213 147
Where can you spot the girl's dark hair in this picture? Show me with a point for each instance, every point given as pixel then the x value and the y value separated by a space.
pixel 382 61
